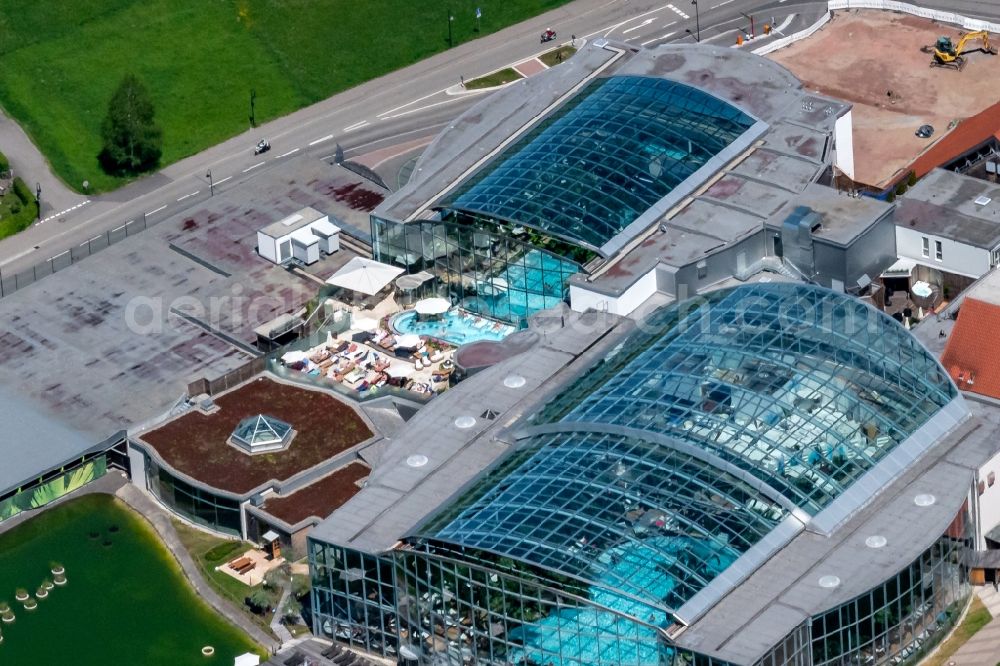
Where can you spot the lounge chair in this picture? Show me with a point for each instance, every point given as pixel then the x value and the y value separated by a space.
pixel 331 651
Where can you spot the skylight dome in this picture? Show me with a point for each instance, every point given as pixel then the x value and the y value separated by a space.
pixel 260 434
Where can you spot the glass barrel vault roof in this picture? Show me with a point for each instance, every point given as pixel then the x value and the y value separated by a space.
pixel 603 158
pixel 707 427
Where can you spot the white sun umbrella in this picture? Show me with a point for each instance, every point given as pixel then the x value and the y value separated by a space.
pixel 248 659
pixel 400 370
pixel 408 341
pixel 364 324
pixel 364 276
pixel 432 306
pixel 294 356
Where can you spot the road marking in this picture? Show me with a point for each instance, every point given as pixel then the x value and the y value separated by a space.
pixel 189 195
pixel 679 12
pixel 611 28
pixel 419 99
pixel 657 39
pixel 321 139
pixel 253 167
pixel 724 2
pixel 293 150
pixel 641 25
pixel 157 210
pixel 423 108
pixel 351 128
pixel 220 182
pixel 61 213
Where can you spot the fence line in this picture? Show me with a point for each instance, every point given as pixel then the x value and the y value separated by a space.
pixel 932 14
pixel 21 279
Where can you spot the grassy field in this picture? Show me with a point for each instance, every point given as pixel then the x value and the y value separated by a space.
pixel 201 58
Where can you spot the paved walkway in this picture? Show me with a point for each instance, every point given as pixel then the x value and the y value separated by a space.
pixel 279 629
pixel 29 164
pixel 983 649
pixel 160 521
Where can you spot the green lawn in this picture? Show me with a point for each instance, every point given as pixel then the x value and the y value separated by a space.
pixel 556 56
pixel 201 58
pixel 495 79
pixel 209 552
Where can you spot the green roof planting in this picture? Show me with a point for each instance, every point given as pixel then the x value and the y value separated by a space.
pixel 603 158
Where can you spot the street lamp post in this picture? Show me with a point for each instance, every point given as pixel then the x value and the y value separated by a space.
pixel 697 20
pixel 211 184
pixel 451 19
pixel 38 198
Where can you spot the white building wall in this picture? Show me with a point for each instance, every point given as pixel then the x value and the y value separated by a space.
pixel 582 299
pixel 267 247
pixel 957 258
pixel 137 467
pixel 989 499
pixel 843 138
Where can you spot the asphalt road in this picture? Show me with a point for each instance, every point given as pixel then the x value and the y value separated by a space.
pixel 408 104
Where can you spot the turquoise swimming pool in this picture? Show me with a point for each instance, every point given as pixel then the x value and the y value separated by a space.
pixel 455 326
pixel 589 636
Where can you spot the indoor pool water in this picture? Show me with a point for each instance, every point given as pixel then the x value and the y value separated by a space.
pixel 537 281
pixel 591 636
pixel 455 326
pixel 125 600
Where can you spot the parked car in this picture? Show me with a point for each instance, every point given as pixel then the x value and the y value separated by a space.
pixel 262 147
pixel 924 131
pixel 548 35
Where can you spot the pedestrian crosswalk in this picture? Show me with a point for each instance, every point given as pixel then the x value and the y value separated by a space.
pixel 679 12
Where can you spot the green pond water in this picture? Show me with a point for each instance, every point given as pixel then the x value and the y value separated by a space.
pixel 126 600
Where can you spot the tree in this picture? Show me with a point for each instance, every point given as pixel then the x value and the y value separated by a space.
pixel 132 139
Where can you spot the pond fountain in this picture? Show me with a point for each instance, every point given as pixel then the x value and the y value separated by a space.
pixel 137 577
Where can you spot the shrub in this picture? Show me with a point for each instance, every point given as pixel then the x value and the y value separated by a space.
pixel 891 197
pixel 4 166
pixel 901 189
pixel 911 180
pixel 23 192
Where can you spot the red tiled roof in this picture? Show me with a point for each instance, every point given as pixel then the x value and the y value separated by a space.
pixel 969 134
pixel 972 357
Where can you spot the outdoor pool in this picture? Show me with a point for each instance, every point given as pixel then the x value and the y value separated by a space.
pixel 455 326
pixel 125 599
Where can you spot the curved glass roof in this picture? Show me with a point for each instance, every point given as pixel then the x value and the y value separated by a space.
pixel 706 428
pixel 603 158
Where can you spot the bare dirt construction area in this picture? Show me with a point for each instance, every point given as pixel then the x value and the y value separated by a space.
pixel 860 56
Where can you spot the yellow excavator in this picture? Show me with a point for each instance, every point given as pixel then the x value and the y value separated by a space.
pixel 948 54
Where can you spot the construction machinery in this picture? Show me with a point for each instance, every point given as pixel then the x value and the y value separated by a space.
pixel 948 54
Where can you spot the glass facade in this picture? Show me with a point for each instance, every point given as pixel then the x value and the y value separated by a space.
pixel 603 158
pixel 197 505
pixel 646 478
pixel 480 267
pixel 902 618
